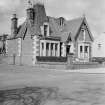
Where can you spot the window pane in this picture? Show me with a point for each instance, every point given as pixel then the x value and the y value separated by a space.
pixel 86 49
pixel 81 48
pixel 55 46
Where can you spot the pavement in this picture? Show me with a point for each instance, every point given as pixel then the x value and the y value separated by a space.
pixel 17 68
pixel 84 87
pixel 91 70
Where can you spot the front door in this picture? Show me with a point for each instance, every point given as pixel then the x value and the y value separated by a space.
pixel 68 49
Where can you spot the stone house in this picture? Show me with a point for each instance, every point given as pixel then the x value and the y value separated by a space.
pixel 42 36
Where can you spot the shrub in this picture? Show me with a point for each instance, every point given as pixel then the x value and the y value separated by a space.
pixel 51 59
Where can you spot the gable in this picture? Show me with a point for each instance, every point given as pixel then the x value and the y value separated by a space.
pixel 69 39
pixel 70 27
pixel 88 35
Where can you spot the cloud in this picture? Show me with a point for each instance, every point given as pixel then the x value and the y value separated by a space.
pixel 93 9
pixel 7 8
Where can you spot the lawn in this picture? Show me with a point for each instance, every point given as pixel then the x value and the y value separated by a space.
pixel 82 88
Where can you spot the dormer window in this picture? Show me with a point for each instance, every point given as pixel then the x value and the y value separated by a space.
pixel 61 21
pixel 45 29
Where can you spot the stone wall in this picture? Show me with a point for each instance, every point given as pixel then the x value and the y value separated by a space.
pixel 12 47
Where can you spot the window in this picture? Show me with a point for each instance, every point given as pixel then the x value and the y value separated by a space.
pixel 86 49
pixel 45 30
pixel 61 21
pixel 68 49
pixel 42 46
pixel 55 46
pixel 81 49
pixel 84 33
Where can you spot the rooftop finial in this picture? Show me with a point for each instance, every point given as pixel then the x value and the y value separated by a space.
pixel 84 15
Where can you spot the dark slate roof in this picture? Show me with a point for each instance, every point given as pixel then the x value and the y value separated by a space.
pixel 28 29
pixel 70 28
pixel 73 26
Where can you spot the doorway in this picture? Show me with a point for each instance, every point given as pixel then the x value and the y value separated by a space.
pixel 68 49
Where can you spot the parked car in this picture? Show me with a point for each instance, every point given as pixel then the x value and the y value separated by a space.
pixel 98 59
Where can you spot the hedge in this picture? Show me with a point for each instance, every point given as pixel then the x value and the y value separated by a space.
pixel 51 59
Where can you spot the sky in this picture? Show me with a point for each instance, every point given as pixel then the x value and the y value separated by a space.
pixel 94 11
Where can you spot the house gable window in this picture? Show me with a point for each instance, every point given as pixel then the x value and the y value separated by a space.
pixel 86 49
pixel 81 49
pixel 84 34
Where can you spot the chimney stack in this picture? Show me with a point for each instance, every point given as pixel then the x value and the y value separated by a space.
pixel 14 23
pixel 30 12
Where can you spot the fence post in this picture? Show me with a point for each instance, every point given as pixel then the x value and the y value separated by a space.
pixel 70 61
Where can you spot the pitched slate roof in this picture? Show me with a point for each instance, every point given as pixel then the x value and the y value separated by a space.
pixel 28 29
pixel 69 29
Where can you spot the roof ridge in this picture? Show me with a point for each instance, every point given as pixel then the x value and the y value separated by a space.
pixel 75 19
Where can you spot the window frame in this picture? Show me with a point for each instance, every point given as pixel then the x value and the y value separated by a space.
pixel 42 44
pixel 86 49
pixel 81 49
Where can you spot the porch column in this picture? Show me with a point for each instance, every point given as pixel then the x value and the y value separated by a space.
pixel 54 49
pixel 20 49
pixel 63 50
pixel 41 49
pixel 19 46
pixel 44 49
